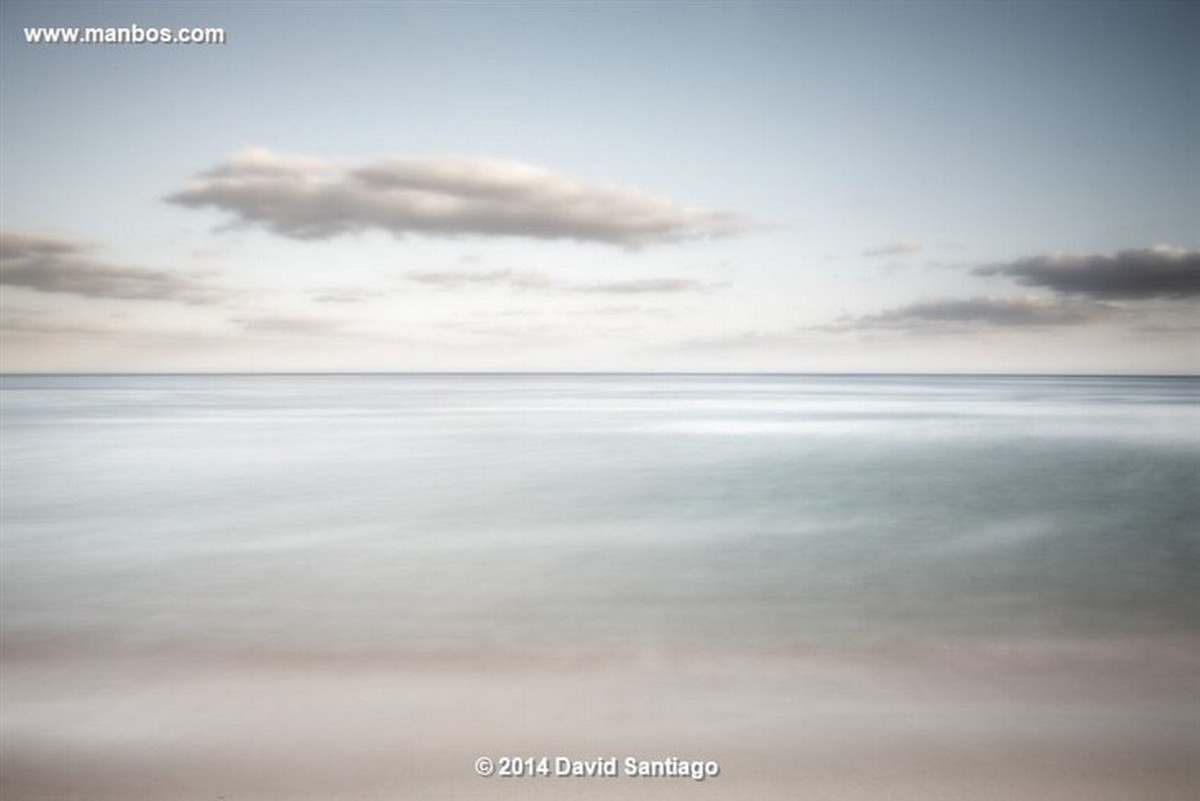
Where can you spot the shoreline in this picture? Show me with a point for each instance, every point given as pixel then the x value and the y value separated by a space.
pixel 1062 721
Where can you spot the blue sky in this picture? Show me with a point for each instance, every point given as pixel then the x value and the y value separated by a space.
pixel 983 187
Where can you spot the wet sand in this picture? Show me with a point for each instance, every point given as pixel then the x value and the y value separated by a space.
pixel 1116 721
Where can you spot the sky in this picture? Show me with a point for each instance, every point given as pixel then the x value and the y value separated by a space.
pixel 734 187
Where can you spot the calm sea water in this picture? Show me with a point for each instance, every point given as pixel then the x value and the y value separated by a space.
pixel 394 511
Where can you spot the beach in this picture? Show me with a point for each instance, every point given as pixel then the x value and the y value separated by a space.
pixel 992 722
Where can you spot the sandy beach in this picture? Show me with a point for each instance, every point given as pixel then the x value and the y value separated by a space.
pixel 1113 721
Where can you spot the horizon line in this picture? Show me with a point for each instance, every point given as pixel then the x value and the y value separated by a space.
pixel 583 373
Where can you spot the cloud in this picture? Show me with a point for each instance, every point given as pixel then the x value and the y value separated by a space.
pixel 440 195
pixel 60 265
pixel 17 321
pixel 14 245
pixel 451 279
pixel 288 326
pixel 41 325
pixel 346 296
pixel 1086 289
pixel 893 249
pixel 746 340
pixel 646 286
pixel 1185 329
pixel 1161 271
pixel 956 314
pixel 530 280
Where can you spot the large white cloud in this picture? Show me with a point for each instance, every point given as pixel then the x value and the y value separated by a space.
pixel 442 195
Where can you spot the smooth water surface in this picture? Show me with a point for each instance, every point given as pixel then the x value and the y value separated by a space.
pixel 413 510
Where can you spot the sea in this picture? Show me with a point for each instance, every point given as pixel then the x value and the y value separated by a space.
pixel 394 511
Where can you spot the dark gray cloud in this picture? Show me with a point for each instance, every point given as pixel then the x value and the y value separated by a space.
pixel 1086 289
pixel 893 249
pixel 531 280
pixel 307 198
pixel 1156 272
pixel 957 314
pixel 59 265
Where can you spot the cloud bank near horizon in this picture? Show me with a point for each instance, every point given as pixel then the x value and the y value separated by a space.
pixel 303 197
pixel 1146 288
pixel 1084 289
pixel 956 313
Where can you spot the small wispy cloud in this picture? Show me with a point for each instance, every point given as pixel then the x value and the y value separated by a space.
pixel 61 265
pixel 344 296
pixel 440 195
pixel 19 321
pixel 746 340
pixel 898 248
pixel 953 314
pixel 1161 271
pixel 627 311
pixel 1181 329
pixel 646 286
pixel 457 279
pixel 282 325
pixel 532 280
